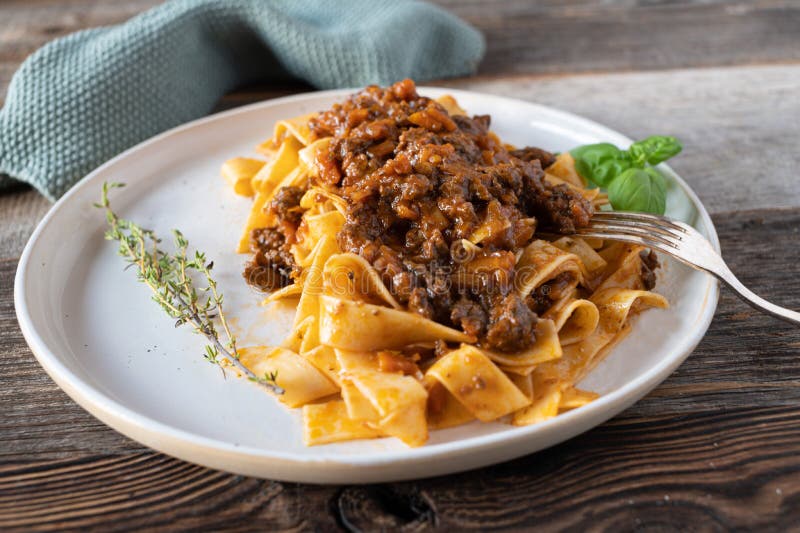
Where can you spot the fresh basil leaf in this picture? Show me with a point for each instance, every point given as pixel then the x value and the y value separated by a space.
pixel 654 150
pixel 639 189
pixel 600 163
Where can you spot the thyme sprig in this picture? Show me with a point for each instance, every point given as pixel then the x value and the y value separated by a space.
pixel 172 280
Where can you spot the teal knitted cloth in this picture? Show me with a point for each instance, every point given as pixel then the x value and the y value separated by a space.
pixel 82 99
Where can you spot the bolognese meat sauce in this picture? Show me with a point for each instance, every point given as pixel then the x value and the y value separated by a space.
pixel 272 265
pixel 418 183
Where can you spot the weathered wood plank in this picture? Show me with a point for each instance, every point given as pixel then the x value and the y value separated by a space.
pixel 20 212
pixel 738 469
pixel 715 444
pixel 523 37
pixel 585 36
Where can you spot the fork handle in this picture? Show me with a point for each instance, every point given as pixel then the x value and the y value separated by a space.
pixel 754 300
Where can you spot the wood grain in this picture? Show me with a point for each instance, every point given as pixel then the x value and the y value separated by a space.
pixel 20 212
pixel 717 444
pixel 523 37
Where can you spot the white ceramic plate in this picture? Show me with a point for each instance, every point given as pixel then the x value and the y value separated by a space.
pixel 95 331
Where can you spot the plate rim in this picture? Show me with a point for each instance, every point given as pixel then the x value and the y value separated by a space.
pixel 155 434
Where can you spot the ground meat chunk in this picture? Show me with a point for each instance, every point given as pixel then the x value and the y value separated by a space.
pixel 559 208
pixel 649 266
pixel 286 204
pixel 545 295
pixel 511 325
pixel 420 303
pixel 530 153
pixel 469 316
pixel 272 265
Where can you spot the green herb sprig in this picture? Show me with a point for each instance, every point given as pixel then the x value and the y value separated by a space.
pixel 171 278
pixel 632 182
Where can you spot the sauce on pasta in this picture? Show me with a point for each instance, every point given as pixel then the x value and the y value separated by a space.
pixel 418 182
pixel 435 279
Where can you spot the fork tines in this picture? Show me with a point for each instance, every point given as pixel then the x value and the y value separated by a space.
pixel 639 217
pixel 682 242
pixel 639 228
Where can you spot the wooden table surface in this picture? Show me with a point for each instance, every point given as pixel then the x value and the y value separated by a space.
pixel 715 447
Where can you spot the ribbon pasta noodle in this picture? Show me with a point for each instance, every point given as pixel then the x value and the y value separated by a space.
pixel 427 296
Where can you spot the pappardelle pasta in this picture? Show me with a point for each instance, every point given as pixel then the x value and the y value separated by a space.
pixel 435 278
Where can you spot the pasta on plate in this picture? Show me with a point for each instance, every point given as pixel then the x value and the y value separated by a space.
pixel 435 279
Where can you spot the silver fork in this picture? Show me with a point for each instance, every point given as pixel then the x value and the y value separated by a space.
pixel 682 242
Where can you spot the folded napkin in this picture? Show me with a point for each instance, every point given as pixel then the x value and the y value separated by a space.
pixel 82 99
